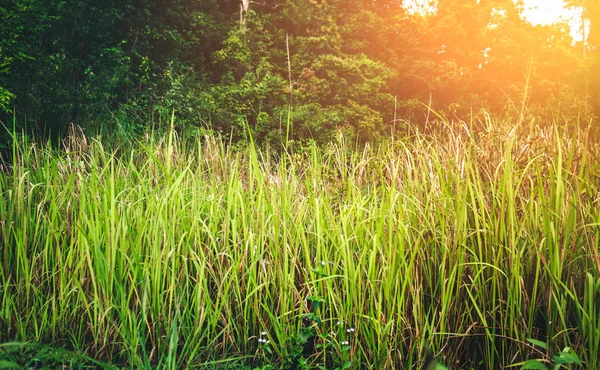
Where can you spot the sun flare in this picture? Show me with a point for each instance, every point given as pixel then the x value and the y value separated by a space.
pixel 538 12
pixel 546 11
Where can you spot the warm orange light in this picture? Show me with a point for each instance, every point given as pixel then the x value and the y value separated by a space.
pixel 543 12
pixel 546 11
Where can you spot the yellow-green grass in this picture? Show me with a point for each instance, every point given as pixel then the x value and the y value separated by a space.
pixel 171 254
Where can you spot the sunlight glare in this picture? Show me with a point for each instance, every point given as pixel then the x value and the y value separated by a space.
pixel 546 12
pixel 542 12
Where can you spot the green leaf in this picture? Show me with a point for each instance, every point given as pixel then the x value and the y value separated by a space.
pixel 316 301
pixel 538 343
pixel 534 364
pixel 13 344
pixel 564 358
pixel 9 365
pixel 347 365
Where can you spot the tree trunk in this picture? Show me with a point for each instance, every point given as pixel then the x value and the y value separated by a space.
pixel 245 6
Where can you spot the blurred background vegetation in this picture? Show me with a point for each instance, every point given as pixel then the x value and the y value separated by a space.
pixel 285 69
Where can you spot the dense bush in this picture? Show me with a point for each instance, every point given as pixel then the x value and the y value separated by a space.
pixel 316 66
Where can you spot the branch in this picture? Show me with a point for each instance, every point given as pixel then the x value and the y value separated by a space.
pixel 266 5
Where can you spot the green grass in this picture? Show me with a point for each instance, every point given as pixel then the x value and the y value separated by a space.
pixel 37 356
pixel 173 254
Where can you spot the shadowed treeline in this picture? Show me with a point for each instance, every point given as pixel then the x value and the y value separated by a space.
pixel 301 69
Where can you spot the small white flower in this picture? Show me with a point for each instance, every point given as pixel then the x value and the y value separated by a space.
pixel 339 323
pixel 263 333
pixel 345 343
pixel 323 263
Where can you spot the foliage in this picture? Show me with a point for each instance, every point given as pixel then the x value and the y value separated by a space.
pixel 35 356
pixel 317 67
pixel 560 359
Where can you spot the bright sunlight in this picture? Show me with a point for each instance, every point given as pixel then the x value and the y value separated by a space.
pixel 542 12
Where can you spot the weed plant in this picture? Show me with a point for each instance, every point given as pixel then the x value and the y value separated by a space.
pixel 175 254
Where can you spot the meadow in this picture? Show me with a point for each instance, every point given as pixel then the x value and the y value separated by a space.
pixel 480 243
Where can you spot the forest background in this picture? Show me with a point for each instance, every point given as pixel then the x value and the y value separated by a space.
pixel 287 69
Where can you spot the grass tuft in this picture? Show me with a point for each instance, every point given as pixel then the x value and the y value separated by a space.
pixel 172 254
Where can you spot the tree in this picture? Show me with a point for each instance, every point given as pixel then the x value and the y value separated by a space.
pixel 590 15
pixel 323 65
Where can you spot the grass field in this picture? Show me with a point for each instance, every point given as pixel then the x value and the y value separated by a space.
pixel 174 254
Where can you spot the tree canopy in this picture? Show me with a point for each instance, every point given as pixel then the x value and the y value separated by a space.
pixel 302 68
